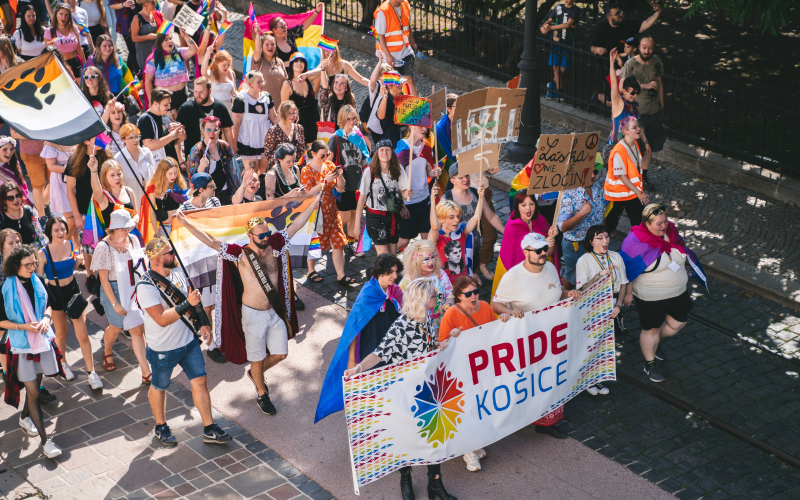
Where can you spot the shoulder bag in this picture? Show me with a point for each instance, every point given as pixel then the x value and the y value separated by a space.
pixel 77 304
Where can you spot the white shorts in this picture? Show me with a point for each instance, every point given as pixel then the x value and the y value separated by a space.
pixel 251 157
pixel 263 330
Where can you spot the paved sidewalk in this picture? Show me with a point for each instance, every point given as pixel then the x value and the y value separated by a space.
pixel 109 450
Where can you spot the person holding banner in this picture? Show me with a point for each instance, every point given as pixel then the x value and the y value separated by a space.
pixel 264 315
pixel 581 208
pixel 410 336
pixel 531 285
pixel 623 186
pixel 285 38
pixel 596 263
pixel 657 261
pixel 421 260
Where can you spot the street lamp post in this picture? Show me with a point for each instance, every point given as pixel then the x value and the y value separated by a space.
pixel 523 150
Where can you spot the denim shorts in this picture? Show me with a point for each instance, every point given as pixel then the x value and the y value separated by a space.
pixel 189 357
pixel 114 319
pixel 570 256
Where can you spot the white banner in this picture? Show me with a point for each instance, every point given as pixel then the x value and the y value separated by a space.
pixel 490 382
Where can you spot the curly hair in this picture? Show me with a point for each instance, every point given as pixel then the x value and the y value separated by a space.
pixel 416 297
pixel 462 283
pixel 383 265
pixel 219 58
pixel 412 258
pixel 13 262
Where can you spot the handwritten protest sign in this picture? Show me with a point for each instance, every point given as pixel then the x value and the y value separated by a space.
pixel 411 110
pixel 188 19
pixel 438 103
pixel 563 162
pixel 500 111
pixel 475 160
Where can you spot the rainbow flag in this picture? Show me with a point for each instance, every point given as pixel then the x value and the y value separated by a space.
pixel 134 91
pixel 308 44
pixel 406 89
pixel 228 224
pixel 248 46
pixel 164 28
pixel 225 26
pixel 391 79
pixel 413 111
pixel 48 107
pixel 328 44
pixel 158 17
pixel 84 30
pixel 325 130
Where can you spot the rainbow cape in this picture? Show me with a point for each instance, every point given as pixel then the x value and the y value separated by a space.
pixel 228 224
pixel 308 44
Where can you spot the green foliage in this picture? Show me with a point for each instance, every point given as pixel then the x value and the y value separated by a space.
pixel 769 15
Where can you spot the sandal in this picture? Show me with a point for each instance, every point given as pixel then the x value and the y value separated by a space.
pixel 108 365
pixel 346 281
pixel 314 276
pixel 146 380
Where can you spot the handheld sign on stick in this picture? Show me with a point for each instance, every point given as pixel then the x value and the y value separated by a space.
pixel 414 112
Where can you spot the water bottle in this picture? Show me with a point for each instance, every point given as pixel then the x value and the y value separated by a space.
pixel 420 55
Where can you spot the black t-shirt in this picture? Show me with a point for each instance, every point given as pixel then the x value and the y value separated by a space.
pixel 607 37
pixel 146 123
pixel 255 199
pixel 28 286
pixel 350 158
pixel 190 114
pixel 561 14
pixel 23 225
pixel 83 186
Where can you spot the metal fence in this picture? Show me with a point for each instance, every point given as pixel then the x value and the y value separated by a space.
pixel 747 129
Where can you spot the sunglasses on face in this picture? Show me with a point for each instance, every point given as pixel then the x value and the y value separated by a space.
pixel 262 235
pixel 91 77
pixel 211 130
pixel 632 92
pixel 14 197
pixel 539 250
pixel 470 293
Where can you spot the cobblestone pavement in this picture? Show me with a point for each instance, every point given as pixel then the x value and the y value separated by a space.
pixel 109 450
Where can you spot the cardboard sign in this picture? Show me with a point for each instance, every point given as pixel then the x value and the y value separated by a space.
pixel 413 111
pixel 188 19
pixel 438 103
pixel 472 161
pixel 496 111
pixel 563 162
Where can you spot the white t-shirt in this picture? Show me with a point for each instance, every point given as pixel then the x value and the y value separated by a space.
pixel 28 49
pixel 163 338
pixel 587 268
pixel 380 28
pixel 374 202
pixel 419 175
pixel 529 291
pixel 662 283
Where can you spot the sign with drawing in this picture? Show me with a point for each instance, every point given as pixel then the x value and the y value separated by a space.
pixel 563 162
pixel 475 161
pixel 494 113
pixel 188 19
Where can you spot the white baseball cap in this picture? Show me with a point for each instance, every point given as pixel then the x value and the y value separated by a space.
pixel 534 240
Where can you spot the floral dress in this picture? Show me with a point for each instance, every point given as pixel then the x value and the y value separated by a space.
pixel 444 291
pixel 276 136
pixel 332 235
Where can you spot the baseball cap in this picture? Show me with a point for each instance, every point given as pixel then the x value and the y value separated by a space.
pixel 533 240
pixel 200 180
pixel 630 41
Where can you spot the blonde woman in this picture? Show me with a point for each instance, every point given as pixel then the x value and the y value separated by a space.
pixel 421 260
pixel 166 190
pixel 410 336
pixel 253 114
pixel 220 73
pixel 109 189
pixel 137 161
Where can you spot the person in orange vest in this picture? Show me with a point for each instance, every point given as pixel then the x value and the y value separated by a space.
pixel 623 186
pixel 394 38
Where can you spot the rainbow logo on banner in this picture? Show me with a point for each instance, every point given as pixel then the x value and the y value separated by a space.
pixel 438 404
pixel 413 111
pixel 164 28
pixel 308 44
pixel 328 44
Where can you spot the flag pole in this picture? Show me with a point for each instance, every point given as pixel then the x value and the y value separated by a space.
pixel 410 155
pixel 435 139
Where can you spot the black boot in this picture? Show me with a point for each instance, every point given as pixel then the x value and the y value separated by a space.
pixel 436 488
pixel 406 488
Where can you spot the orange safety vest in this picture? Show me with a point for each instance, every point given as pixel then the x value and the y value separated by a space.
pixel 397 30
pixel 614 189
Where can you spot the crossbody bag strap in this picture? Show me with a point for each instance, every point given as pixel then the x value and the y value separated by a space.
pixel 458 306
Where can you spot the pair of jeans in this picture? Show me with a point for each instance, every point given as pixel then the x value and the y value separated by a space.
pixel 162 363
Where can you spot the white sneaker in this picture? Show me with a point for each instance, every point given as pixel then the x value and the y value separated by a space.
pixel 473 464
pixel 593 390
pixel 67 370
pixel 94 381
pixel 603 389
pixel 481 453
pixel 27 424
pixel 50 449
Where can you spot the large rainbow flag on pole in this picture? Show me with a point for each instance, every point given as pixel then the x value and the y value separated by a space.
pixel 308 45
pixel 40 101
pixel 228 224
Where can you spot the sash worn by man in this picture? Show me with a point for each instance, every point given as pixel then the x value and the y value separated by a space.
pixel 257 276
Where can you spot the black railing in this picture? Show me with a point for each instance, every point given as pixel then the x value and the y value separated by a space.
pixel 704 115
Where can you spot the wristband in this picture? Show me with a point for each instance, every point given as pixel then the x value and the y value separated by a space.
pixel 360 368
pixel 48 317
pixel 182 308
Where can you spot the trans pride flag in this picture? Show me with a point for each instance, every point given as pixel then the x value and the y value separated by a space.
pixel 308 45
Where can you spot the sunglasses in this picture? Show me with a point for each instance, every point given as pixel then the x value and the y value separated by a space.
pixel 91 77
pixel 171 252
pixel 655 213
pixel 429 260
pixel 14 197
pixel 211 130
pixel 470 293
pixel 539 250
pixel 262 235
pixel 632 92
